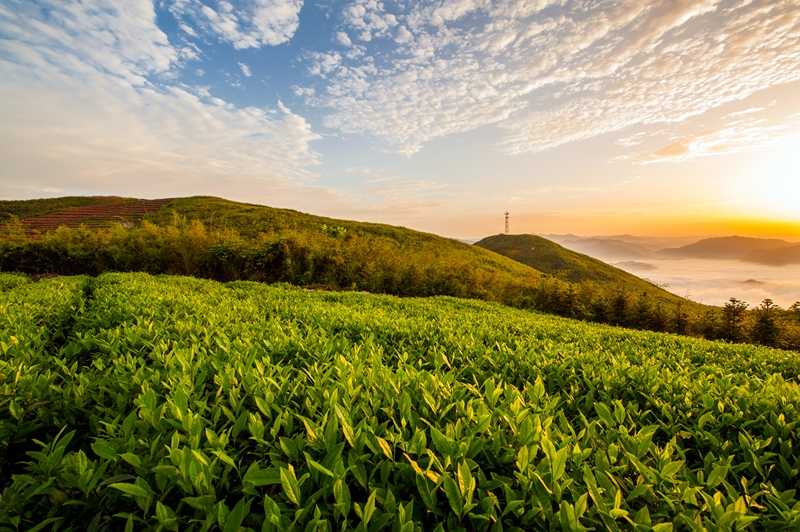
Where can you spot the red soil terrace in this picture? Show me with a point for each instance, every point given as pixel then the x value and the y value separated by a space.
pixel 95 216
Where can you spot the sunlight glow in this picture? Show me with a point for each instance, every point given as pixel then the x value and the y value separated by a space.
pixel 777 187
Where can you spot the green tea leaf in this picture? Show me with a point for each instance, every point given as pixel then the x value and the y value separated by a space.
pixel 237 515
pixel 453 495
pixel 290 487
pixel 103 450
pixel 717 476
pixel 604 413
pixel 130 489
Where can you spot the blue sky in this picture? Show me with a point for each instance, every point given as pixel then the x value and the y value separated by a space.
pixel 585 116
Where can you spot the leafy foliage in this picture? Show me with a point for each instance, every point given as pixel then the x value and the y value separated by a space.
pixel 12 280
pixel 164 403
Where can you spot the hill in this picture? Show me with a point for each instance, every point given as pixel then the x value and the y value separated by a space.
pixel 134 402
pixel 223 240
pixel 728 247
pixel 775 257
pixel 608 249
pixel 548 257
pixel 226 240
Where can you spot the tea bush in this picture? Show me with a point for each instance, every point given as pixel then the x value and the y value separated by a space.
pixel 169 403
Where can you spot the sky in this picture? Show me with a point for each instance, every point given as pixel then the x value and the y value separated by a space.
pixel 647 117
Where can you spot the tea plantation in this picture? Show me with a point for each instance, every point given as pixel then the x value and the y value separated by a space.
pixel 132 402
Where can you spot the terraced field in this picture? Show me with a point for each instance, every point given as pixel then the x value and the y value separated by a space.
pixel 96 216
pixel 132 402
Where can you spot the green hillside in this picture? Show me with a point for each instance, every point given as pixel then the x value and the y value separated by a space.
pixel 225 240
pixel 133 402
pixel 253 221
pixel 548 257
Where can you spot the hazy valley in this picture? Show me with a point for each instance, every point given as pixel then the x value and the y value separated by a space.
pixel 709 270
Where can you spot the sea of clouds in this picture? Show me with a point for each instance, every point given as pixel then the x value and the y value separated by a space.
pixel 714 282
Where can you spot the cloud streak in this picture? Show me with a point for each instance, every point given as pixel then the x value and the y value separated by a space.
pixel 734 137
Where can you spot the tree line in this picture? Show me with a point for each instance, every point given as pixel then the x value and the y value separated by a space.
pixel 766 324
pixel 333 258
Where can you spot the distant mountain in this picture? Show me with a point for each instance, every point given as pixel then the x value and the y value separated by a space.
pixel 546 256
pixel 727 247
pixel 628 265
pixel 775 257
pixel 646 245
pixel 608 249
pixel 561 238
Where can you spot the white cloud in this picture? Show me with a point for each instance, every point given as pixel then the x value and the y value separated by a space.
pixel 245 70
pixel 302 91
pixel 80 111
pixel 243 23
pixel 746 112
pixel 633 140
pixel 550 71
pixel 403 36
pixel 125 42
pixel 188 30
pixel 369 19
pixel 735 137
pixel 343 39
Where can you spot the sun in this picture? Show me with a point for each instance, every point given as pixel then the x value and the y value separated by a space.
pixel 770 188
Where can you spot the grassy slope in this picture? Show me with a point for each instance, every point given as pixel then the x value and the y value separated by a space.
pixel 252 220
pixel 258 221
pixel 548 257
pixel 159 376
pixel 23 209
pixel 521 258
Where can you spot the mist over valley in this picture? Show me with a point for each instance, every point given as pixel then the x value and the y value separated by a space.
pixel 707 270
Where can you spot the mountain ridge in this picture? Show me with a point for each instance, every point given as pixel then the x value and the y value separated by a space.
pixel 782 256
pixel 724 247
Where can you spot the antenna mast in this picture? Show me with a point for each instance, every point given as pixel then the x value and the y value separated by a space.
pixel 507 222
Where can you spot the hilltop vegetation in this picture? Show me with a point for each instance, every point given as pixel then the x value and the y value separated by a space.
pixel 141 403
pixel 246 242
pixel 226 241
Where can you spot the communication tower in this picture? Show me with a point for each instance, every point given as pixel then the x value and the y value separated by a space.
pixel 507 222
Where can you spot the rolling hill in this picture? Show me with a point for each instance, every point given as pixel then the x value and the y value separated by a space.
pixel 218 239
pixel 608 249
pixel 226 240
pixel 728 247
pixel 222 240
pixel 775 257
pixel 548 257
